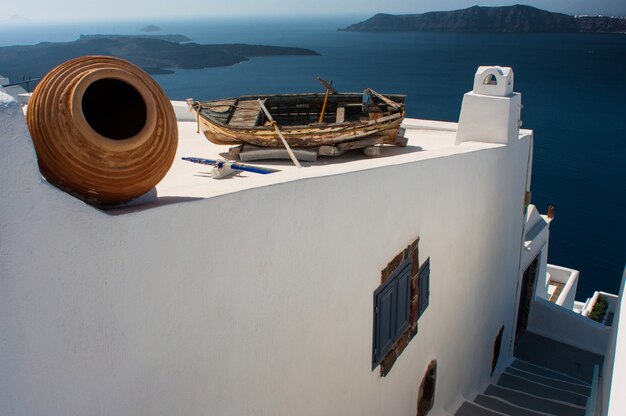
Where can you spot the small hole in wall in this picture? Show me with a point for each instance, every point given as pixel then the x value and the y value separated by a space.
pixel 426 393
pixel 496 350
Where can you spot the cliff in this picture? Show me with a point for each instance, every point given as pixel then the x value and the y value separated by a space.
pixel 476 19
pixel 601 24
pixel 156 56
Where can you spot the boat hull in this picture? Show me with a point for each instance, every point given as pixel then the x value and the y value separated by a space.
pixel 298 136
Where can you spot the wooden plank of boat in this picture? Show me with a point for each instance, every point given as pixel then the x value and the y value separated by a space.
pixel 219 110
pixel 245 114
pixel 327 134
pixel 385 99
pixel 301 137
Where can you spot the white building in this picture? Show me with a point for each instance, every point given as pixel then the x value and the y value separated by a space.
pixel 256 295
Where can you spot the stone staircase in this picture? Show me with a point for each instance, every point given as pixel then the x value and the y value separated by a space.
pixel 545 378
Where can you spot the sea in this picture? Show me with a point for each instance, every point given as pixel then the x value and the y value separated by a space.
pixel 573 91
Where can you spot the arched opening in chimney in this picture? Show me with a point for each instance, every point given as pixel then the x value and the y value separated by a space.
pixel 490 80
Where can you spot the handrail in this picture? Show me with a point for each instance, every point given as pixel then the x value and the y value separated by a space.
pixel 590 409
pixel 25 80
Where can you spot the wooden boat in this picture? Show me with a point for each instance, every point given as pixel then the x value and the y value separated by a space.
pixel 346 117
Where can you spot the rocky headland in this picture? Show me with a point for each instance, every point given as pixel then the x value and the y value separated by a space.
pixel 151 52
pixel 476 19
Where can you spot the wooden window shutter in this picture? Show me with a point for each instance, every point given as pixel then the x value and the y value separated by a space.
pixel 403 306
pixel 385 321
pixel 424 286
pixel 392 306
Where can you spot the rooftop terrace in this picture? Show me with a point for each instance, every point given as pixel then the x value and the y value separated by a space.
pixel 186 181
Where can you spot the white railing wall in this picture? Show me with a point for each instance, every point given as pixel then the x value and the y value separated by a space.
pixel 612 304
pixel 565 325
pixel 569 277
pixel 614 367
pixel 181 109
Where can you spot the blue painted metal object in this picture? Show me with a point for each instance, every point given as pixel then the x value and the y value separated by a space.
pixel 220 164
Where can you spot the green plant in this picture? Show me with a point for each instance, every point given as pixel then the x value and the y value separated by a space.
pixel 599 309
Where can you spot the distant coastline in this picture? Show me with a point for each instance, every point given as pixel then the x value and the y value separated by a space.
pixel 476 19
pixel 168 38
pixel 156 54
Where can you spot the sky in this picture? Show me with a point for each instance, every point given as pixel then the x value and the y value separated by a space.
pixel 44 10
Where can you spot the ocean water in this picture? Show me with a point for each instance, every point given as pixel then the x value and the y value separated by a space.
pixel 573 89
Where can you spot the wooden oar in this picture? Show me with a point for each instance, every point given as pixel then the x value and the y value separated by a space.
pixel 328 86
pixel 280 134
pixel 329 89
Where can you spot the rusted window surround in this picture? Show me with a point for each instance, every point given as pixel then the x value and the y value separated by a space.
pixel 410 252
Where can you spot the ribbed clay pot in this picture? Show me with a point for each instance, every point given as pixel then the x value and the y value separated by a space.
pixel 103 129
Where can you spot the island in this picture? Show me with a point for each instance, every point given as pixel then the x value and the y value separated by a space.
pixel 155 56
pixel 476 19
pixel 15 19
pixel 150 28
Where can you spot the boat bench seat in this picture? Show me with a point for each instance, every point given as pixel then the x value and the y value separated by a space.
pixel 342 108
pixel 246 114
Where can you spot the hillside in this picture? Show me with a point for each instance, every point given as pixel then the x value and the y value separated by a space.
pixel 476 19
pixel 156 56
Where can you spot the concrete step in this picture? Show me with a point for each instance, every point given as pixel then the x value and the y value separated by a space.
pixel 549 381
pixel 557 356
pixel 541 390
pixel 545 372
pixel 499 405
pixel 472 409
pixel 535 403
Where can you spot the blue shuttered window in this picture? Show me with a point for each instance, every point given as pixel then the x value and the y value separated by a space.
pixel 386 314
pixel 404 299
pixel 391 311
pixel 424 286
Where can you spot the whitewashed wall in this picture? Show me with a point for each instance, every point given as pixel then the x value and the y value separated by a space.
pixel 613 401
pixel 256 302
pixel 564 325
pixel 535 245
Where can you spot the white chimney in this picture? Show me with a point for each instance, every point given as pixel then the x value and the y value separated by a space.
pixel 492 111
